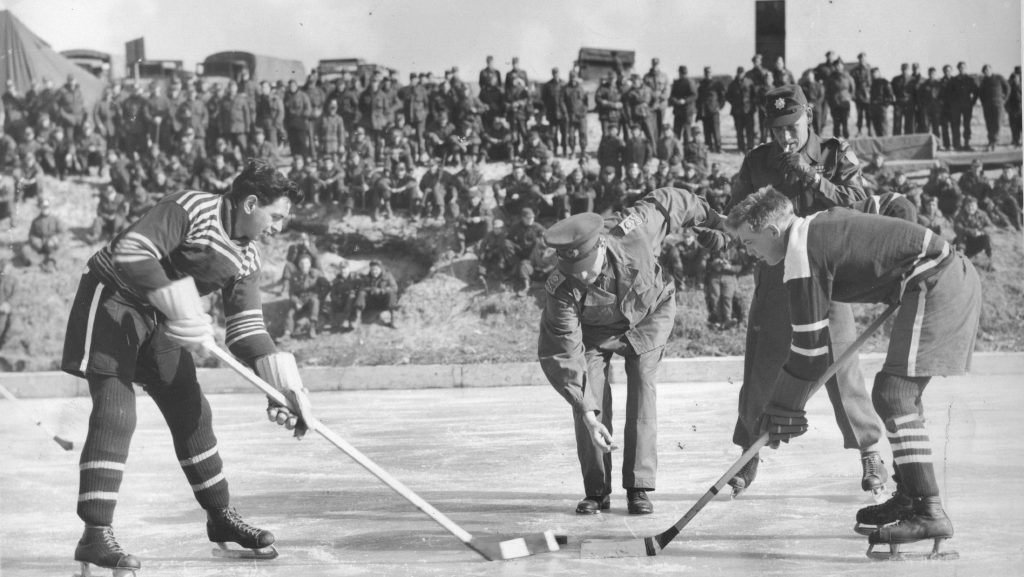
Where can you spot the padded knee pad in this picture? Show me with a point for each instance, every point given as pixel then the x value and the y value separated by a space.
pixel 895 396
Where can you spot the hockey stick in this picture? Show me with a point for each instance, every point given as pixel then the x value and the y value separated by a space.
pixel 64 443
pixel 650 546
pixel 490 549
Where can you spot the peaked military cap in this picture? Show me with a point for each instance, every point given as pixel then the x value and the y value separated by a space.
pixel 575 241
pixel 784 105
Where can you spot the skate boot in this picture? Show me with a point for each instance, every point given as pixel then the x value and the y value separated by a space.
pixel 874 474
pixel 869 519
pixel 745 476
pixel 226 526
pixel 926 520
pixel 99 547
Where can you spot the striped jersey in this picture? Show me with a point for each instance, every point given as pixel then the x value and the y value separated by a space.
pixel 847 256
pixel 189 234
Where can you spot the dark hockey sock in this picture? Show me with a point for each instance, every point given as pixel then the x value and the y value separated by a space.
pixel 898 401
pixel 105 452
pixel 188 416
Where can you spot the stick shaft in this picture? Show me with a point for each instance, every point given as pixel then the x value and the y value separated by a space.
pixel 66 445
pixel 664 538
pixel 348 449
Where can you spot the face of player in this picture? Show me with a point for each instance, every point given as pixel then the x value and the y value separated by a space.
pixel 768 245
pixel 792 137
pixel 255 221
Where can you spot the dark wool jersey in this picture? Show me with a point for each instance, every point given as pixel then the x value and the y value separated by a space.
pixel 845 256
pixel 188 234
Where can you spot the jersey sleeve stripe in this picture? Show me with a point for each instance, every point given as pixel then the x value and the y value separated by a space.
pixel 242 314
pixel 797 263
pixel 822 324
pixel 235 339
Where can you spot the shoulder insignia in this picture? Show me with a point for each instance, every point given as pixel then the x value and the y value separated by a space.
pixel 629 223
pixel 554 280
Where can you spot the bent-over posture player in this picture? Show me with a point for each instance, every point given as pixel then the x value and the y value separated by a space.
pixel 136 318
pixel 607 296
pixel 850 257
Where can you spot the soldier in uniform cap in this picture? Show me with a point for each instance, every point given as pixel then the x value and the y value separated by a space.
pixel 815 174
pixel 607 296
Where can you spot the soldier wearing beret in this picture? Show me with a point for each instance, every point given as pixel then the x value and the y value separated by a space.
pixel 815 174
pixel 606 297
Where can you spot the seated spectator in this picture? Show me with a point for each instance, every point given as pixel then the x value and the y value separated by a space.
pixel 218 175
pixel 932 218
pixel 1006 196
pixel 91 149
pixel 305 182
pixel 343 293
pixel 306 288
pixel 609 193
pixel 691 179
pixel 535 154
pixel 495 256
pixel 635 185
pixel 120 172
pixel 694 259
pixel 543 260
pixel 7 208
pixel 946 190
pixel 262 148
pixel 718 188
pixel 695 152
pixel 358 171
pixel 612 150
pixel 397 150
pixel 497 141
pixel 45 237
pixel 662 176
pixel 548 197
pixel 438 136
pixel 378 292
pixel 405 191
pixel 580 192
pixel 464 143
pixel 669 150
pixel 140 200
pixel 638 149
pixel 111 216
pixel 8 288
pixel 473 223
pixel 901 185
pixel 514 191
pixel 971 226
pixel 523 237
pixel 29 178
pixel 65 159
pixel 973 182
pixel 361 146
pixel 328 183
pixel 723 268
pixel 379 197
pixel 876 174
pixel 438 186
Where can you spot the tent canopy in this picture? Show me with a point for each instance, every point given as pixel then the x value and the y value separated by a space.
pixel 27 59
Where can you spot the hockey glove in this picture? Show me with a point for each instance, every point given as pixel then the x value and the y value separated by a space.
pixel 617 345
pixel 187 323
pixel 279 369
pixel 785 418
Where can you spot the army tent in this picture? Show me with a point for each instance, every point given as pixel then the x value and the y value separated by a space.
pixel 27 59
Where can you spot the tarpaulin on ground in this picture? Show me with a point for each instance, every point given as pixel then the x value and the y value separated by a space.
pixel 905 147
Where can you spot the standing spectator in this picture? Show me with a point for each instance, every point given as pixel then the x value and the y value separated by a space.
pixel 993 93
pixel 903 111
pixel 193 114
pixel 882 101
pixel 657 81
pixel 523 237
pixel 683 98
pixel 160 114
pixel 577 104
pixel 710 97
pixel 762 80
pixel 552 98
pixel 268 112
pixel 8 288
pixel 69 106
pixel 638 100
pixel 971 226
pixel 493 98
pixel 929 105
pixel 45 237
pixel 669 150
pixel 106 114
pixel 489 73
pixel 861 74
pixel 608 100
pixel 235 118
pixel 840 88
pixel 962 94
pixel 638 149
pixel 814 93
pixel 821 73
pixel 343 294
pixel 780 74
pixel 331 131
pixel 135 117
pixel 297 110
pixel 378 293
pixel 516 72
pixel 1013 106
pixel 519 105
pixel 723 267
pixel 741 98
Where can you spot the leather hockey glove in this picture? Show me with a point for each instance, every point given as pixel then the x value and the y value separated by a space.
pixel 785 418
pixel 280 370
pixel 187 324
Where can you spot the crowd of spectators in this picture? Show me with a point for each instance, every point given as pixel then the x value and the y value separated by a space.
pixel 377 146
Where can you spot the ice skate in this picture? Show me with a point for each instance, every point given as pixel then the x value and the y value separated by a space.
pixel 99 547
pixel 870 519
pixel 927 520
pixel 874 475
pixel 745 477
pixel 225 526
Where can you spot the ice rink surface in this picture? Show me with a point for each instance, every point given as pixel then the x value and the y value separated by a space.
pixel 501 462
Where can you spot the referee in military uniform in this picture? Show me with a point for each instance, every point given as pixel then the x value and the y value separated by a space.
pixel 815 174
pixel 607 297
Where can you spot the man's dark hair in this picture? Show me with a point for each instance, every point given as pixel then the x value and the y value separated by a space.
pixel 262 179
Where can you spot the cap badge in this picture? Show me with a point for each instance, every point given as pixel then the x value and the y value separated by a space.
pixel 780 103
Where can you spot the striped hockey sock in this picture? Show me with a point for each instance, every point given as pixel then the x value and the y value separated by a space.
pixel 102 463
pixel 912 455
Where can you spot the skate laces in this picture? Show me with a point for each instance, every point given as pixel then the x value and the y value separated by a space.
pixel 236 522
pixel 873 466
pixel 110 541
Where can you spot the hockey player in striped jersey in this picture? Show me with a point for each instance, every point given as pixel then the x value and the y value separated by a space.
pixel 137 318
pixel 851 257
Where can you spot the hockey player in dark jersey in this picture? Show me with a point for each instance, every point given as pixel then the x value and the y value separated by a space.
pixel 850 257
pixel 137 318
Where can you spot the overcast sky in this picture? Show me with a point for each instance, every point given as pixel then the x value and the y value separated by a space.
pixel 435 34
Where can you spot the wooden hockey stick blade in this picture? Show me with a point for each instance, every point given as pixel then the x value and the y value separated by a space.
pixel 64 443
pixel 488 549
pixel 650 546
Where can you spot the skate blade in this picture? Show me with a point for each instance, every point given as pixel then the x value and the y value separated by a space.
pixel 117 572
pixel 864 529
pixel 894 553
pixel 224 552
